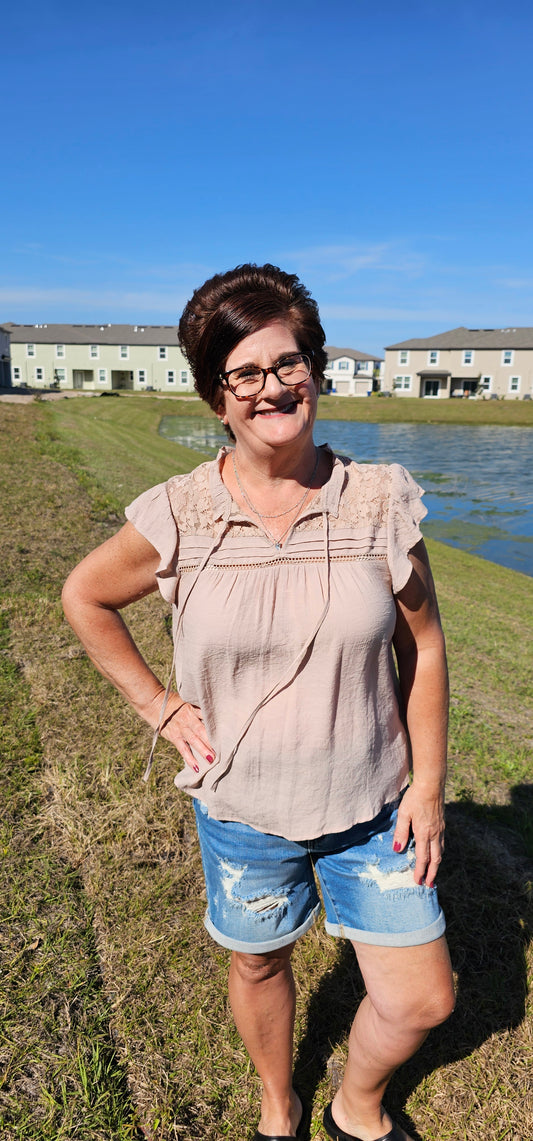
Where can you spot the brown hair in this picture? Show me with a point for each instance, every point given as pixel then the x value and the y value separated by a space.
pixel 231 306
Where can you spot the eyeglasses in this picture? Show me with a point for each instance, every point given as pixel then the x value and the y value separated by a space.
pixel 249 380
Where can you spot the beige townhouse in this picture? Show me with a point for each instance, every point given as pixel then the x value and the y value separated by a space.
pixel 463 362
pixel 352 373
pixel 98 358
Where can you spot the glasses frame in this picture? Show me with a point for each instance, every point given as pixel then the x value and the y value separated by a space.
pixel 272 368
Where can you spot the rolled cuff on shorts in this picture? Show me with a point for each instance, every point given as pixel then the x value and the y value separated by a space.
pixel 267 945
pixel 391 938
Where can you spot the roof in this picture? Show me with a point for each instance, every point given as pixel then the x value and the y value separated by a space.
pixel 463 338
pixel 354 354
pixel 93 334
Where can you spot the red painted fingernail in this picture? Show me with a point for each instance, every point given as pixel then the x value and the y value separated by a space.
pixel 196 769
pixel 397 847
pixel 210 758
pixel 430 884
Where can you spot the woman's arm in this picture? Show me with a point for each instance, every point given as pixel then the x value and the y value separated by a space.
pixel 421 657
pixel 113 576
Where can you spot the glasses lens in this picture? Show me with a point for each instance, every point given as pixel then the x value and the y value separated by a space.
pixel 294 369
pixel 245 381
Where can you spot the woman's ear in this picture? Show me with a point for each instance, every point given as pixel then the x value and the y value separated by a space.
pixel 220 409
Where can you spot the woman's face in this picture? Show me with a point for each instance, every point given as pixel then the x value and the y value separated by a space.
pixel 278 416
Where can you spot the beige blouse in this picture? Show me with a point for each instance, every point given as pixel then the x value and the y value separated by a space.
pixel 288 652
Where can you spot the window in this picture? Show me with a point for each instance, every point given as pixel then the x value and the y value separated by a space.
pixel 344 364
pixel 60 375
pixel 141 375
pixel 514 384
pixel 123 352
pixel 330 364
pixel 403 356
pixel 468 357
pixel 39 374
pixel 16 373
pixel 184 376
pixel 170 376
pixel 507 356
pixel 433 356
pixel 162 353
pixel 485 383
pixel 93 352
pixel 102 376
pixel 403 382
pixel 60 351
pixel 30 350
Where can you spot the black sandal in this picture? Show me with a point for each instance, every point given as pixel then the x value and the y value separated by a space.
pixel 336 1134
pixel 258 1136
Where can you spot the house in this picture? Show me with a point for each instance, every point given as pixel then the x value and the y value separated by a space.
pixel 99 358
pixel 351 373
pixel 463 362
pixel 5 358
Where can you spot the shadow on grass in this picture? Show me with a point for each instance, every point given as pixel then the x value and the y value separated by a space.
pixel 486 896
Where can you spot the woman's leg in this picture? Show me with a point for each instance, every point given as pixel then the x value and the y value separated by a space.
pixel 409 990
pixel 262 997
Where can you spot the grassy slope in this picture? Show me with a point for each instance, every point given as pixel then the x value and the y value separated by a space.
pixel 507 413
pixel 115 1004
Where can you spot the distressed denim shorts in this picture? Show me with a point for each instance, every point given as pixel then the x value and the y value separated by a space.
pixel 262 893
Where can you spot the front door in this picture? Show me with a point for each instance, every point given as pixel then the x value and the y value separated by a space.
pixel 431 388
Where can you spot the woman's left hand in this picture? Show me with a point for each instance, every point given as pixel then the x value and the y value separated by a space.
pixel 422 813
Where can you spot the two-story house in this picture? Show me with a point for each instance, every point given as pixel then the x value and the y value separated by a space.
pixel 463 362
pixel 99 358
pixel 351 373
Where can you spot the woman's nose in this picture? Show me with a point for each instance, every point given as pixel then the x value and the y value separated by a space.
pixel 272 384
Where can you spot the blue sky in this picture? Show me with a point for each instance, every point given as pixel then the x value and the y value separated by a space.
pixel 381 150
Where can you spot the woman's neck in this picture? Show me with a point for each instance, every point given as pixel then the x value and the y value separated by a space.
pixel 276 465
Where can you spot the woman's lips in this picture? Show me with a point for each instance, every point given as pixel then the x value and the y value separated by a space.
pixel 283 410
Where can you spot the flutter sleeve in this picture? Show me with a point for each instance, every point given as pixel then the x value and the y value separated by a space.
pixel 151 515
pixel 406 512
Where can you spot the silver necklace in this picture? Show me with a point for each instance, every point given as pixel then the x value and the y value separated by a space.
pixel 277 542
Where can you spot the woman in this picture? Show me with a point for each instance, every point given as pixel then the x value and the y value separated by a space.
pixel 292 574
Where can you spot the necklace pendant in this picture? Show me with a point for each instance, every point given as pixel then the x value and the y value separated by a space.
pixel 278 546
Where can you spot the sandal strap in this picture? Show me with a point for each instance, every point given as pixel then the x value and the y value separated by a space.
pixel 258 1136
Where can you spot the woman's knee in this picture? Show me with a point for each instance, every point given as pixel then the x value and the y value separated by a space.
pixel 418 1008
pixel 412 986
pixel 258 968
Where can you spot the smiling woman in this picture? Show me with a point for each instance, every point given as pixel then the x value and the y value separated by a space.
pixel 293 573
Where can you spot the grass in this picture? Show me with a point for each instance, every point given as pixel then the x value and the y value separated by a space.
pixel 395 410
pixel 115 1020
pixel 410 410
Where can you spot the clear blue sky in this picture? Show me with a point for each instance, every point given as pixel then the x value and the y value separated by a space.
pixel 380 149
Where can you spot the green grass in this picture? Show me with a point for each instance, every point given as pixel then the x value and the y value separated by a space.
pixel 116 1022
pixel 409 410
pixel 382 410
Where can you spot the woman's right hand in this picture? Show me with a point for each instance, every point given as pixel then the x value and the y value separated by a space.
pixel 184 727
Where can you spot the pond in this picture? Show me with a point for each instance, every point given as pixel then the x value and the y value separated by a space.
pixel 478 480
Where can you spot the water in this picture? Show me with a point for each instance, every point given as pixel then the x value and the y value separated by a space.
pixel 478 480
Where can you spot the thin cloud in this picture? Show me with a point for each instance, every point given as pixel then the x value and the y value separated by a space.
pixel 516 282
pixel 104 300
pixel 337 262
pixel 379 313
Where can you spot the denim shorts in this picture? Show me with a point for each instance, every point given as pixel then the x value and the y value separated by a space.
pixel 262 893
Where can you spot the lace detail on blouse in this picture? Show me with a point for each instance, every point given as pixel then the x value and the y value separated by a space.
pixel 364 502
pixel 191 502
